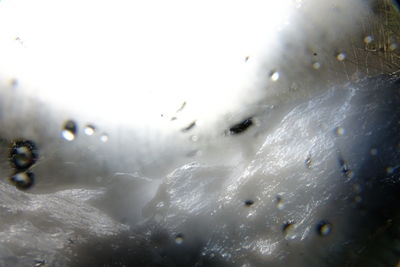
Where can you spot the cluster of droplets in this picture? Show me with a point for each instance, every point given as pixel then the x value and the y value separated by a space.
pixel 23 155
pixel 70 131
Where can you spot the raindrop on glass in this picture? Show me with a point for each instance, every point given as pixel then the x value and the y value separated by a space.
pixel 341 56
pixel 324 228
pixel 179 239
pixel 23 180
pixel 89 129
pixel 104 138
pixel 23 154
pixel 69 130
pixel 316 65
pixel 368 39
pixel 274 76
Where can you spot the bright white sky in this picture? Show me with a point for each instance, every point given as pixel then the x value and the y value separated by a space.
pixel 133 60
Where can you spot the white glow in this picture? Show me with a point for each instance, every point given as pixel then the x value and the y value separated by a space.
pixel 130 61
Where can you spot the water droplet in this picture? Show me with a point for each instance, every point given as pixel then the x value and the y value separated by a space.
pixel 368 39
pixel 194 138
pixel 324 228
pixel 339 131
pixel 288 230
pixel 357 188
pixel 246 59
pixel 316 65
pixel 357 199
pixel 23 180
pixel 345 169
pixel 69 130
pixel 393 46
pixel 39 263
pixel 374 151
pixel 308 161
pixel 274 76
pixel 104 138
pixel 23 154
pixel 89 129
pixel 390 170
pixel 179 239
pixel 279 202
pixel 341 56
pixel 13 83
pixel 248 202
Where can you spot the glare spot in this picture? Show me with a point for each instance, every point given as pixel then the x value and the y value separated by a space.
pixel 274 76
pixel 89 129
pixel 341 56
pixel 104 138
pixel 324 228
pixel 69 130
pixel 23 180
pixel 179 239
pixel 368 39
pixel 316 65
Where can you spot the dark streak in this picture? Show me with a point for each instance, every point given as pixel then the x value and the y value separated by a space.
pixel 189 127
pixel 241 127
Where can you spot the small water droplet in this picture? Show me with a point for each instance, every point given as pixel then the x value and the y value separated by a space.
pixel 308 162
pixel 39 263
pixel 69 130
pixel 89 129
pixel 393 46
pixel 23 180
pixel 357 199
pixel 274 76
pixel 368 39
pixel 13 83
pixel 248 202
pixel 390 170
pixel 324 228
pixel 341 56
pixel 357 188
pixel 288 230
pixel 23 154
pixel 104 138
pixel 339 131
pixel 194 138
pixel 374 151
pixel 280 203
pixel 316 65
pixel 179 239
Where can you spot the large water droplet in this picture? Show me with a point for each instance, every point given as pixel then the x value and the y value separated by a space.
pixel 69 130
pixel 274 76
pixel 23 154
pixel 324 228
pixel 89 129
pixel 280 203
pixel 23 180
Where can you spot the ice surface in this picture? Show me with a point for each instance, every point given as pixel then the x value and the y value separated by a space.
pixel 224 133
